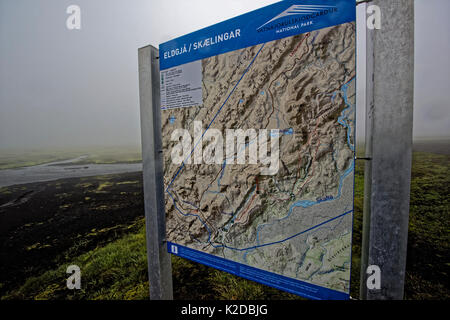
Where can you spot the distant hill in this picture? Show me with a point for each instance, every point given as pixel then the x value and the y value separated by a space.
pixel 433 145
pixel 440 145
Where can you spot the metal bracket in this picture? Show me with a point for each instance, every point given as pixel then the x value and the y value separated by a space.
pixel 363 1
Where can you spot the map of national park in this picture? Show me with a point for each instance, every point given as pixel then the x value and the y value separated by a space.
pixel 278 194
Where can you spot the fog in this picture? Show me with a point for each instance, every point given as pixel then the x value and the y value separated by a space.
pixel 65 88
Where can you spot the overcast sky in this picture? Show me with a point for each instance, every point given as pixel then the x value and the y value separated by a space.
pixel 73 88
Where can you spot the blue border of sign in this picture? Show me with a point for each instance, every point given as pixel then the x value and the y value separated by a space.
pixel 301 288
pixel 256 27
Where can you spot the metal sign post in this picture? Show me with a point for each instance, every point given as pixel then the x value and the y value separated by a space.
pixel 159 263
pixel 389 123
pixel 389 112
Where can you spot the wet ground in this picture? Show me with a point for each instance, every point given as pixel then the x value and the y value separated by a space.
pixel 62 169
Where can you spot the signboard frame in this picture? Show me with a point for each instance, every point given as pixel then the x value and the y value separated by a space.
pixel 178 52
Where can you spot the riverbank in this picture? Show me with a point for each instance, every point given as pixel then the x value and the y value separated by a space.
pixel 62 170
pixel 14 158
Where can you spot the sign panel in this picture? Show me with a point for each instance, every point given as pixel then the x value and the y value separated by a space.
pixel 181 86
pixel 258 128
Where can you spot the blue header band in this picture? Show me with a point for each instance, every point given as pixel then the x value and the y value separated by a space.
pixel 280 20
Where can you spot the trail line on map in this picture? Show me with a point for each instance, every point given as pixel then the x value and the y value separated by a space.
pixel 201 138
pixel 215 116
pixel 305 182
pixel 287 239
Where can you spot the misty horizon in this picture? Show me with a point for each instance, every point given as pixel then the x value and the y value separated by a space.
pixel 63 88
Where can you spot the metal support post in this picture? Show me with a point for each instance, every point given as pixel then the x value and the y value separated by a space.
pixel 389 124
pixel 159 263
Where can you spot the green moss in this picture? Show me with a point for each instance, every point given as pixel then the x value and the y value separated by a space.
pixel 115 271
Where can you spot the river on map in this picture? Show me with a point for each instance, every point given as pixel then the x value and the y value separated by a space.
pixel 61 170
